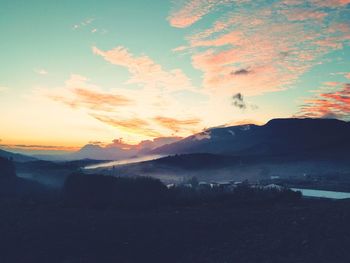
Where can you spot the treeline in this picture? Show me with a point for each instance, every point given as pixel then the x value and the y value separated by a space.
pixel 101 191
pixel 90 190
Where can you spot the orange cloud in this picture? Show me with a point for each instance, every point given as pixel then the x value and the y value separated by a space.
pixel 133 118
pixel 79 93
pixel 134 125
pixel 96 99
pixel 34 147
pixel 331 104
pixel 177 125
pixel 92 100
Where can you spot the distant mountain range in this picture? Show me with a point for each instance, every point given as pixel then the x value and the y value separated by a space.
pixel 283 148
pixel 16 156
pixel 293 137
pixel 277 137
pixel 115 151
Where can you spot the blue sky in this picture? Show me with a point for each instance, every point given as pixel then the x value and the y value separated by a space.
pixel 82 71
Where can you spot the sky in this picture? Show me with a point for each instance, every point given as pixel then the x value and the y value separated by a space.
pixel 78 72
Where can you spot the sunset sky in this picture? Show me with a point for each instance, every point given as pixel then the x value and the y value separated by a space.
pixel 74 72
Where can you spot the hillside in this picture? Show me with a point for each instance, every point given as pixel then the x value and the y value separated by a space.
pixel 278 136
pixel 16 156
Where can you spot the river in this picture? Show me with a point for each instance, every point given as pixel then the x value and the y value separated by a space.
pixel 322 193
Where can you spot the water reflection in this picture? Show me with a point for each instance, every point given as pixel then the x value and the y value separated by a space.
pixel 322 193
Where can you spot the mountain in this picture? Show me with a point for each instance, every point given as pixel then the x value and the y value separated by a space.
pixel 116 150
pixel 119 150
pixel 277 137
pixel 93 151
pixel 16 156
pixel 283 148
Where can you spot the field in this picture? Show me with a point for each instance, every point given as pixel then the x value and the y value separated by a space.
pixel 305 231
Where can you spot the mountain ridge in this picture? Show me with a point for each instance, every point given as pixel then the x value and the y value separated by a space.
pixel 277 136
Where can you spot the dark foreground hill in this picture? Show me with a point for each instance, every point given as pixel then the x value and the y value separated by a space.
pixel 87 224
pixel 307 232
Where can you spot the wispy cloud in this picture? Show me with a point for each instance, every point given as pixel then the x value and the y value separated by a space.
pixel 187 12
pixel 330 3
pixel 302 14
pixel 331 104
pixel 41 71
pixel 37 147
pixel 145 71
pixel 177 125
pixel 133 126
pixel 89 25
pixel 79 93
pixel 258 47
pixel 132 112
pixel 84 23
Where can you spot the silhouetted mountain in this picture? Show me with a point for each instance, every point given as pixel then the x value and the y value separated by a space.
pixel 51 173
pixel 115 151
pixel 278 136
pixel 120 150
pixel 93 151
pixel 16 156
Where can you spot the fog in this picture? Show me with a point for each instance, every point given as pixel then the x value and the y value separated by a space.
pixel 124 161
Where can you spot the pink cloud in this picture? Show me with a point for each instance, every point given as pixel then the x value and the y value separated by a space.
pixel 272 44
pixel 300 14
pixel 332 83
pixel 192 11
pixel 268 61
pixel 330 104
pixel 231 38
pixel 293 2
pixel 146 72
pixel 330 3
